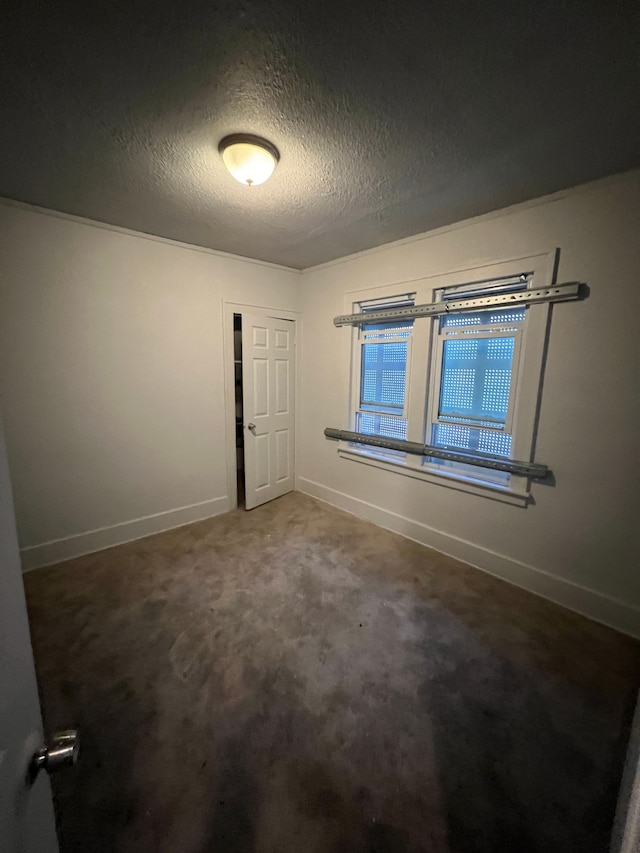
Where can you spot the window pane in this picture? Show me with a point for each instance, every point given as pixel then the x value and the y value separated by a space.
pixel 384 347
pixel 394 329
pixel 495 392
pixel 452 437
pixel 499 348
pixel 476 380
pixel 498 443
pixel 384 368
pixel 470 438
pixel 457 389
pixel 484 318
pixel 477 350
pixel 383 425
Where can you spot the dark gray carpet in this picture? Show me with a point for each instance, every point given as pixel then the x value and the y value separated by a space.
pixel 294 679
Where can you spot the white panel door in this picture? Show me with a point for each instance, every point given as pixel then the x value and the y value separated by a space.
pixel 26 810
pixel 268 382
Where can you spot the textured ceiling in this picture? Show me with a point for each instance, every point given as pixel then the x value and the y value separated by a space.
pixel 391 118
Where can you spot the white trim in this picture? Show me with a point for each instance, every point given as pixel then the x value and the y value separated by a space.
pixel 520 207
pixel 451 480
pixel 57 550
pixel 130 232
pixel 588 602
pixel 228 310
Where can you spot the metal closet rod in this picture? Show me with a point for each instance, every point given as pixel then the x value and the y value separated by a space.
pixel 555 293
pixel 483 460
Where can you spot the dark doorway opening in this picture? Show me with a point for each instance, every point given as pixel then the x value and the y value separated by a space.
pixel 237 366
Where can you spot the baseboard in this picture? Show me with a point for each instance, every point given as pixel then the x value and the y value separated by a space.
pixel 588 602
pixel 37 556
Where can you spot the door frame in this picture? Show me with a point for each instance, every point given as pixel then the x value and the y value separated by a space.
pixel 228 310
pixel 625 837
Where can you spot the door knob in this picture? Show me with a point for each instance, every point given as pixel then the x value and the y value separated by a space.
pixel 252 427
pixel 63 752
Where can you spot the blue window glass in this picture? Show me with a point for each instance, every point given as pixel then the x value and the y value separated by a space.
pixel 383 379
pixel 384 425
pixel 384 365
pixel 454 437
pixel 476 380
pixel 384 371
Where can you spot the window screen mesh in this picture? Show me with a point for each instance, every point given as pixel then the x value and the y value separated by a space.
pixel 383 375
pixel 478 349
pixel 386 425
pixel 463 349
pixel 384 331
pixel 469 438
pixel 457 389
pixel 495 391
pixel 494 442
pixel 451 436
pixel 484 318
pixel 498 348
pixel 476 379
pixel 384 369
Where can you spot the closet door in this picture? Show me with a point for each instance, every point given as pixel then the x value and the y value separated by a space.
pixel 268 371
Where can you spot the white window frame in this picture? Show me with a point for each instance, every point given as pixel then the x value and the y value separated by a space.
pixel 423 373
pixel 440 335
pixel 358 343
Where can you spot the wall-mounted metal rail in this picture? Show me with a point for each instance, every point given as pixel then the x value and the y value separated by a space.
pixel 555 293
pixel 483 460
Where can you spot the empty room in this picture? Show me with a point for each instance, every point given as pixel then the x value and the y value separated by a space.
pixel 319 403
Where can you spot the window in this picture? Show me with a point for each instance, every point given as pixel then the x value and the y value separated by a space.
pixel 464 380
pixel 383 358
pixel 475 379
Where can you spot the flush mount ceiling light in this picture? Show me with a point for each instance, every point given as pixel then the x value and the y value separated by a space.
pixel 250 159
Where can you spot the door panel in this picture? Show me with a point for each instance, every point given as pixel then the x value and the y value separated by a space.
pixel 282 386
pixel 260 336
pixel 282 339
pixel 260 387
pixel 261 443
pixel 282 455
pixel 26 811
pixel 268 367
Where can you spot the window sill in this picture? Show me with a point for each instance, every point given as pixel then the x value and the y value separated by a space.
pixel 493 491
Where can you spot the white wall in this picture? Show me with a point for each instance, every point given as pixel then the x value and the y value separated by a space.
pixel 578 543
pixel 111 377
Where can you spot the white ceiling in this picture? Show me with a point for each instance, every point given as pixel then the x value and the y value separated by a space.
pixel 391 118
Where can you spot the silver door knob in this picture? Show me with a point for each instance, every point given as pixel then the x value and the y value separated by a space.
pixel 252 427
pixel 63 752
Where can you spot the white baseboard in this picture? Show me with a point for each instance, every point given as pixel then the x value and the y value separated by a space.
pixel 36 556
pixel 588 602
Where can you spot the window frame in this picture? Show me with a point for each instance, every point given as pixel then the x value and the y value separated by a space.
pixel 433 416
pixel 424 370
pixel 358 344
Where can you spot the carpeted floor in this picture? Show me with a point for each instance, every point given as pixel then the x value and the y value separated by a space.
pixel 294 679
